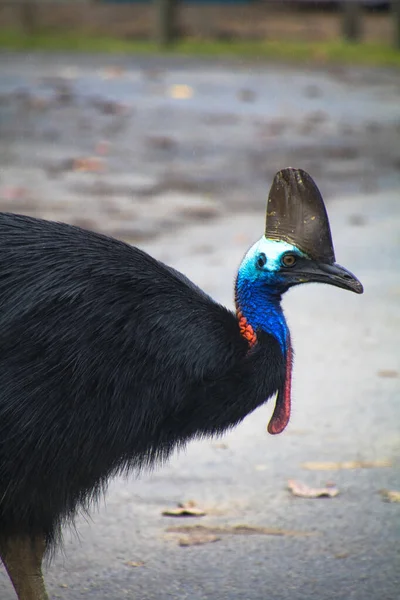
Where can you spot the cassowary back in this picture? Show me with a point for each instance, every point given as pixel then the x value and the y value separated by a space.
pixel 92 365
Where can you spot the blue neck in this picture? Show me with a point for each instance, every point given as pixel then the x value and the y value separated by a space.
pixel 261 305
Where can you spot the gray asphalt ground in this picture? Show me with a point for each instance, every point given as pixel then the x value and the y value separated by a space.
pixel 187 180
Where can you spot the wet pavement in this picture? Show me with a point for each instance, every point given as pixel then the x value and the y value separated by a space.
pixel 177 156
pixel 173 141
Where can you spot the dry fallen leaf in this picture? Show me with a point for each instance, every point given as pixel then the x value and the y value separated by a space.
pixel 351 464
pixel 388 373
pixel 390 495
pixel 132 563
pixel 237 530
pixel 188 509
pixel 180 91
pixel 90 164
pixel 342 555
pixel 304 491
pixel 198 539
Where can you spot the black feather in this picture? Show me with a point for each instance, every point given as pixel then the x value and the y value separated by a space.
pixel 109 359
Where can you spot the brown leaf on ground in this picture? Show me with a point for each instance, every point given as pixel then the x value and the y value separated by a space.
pixel 390 495
pixel 132 563
pixel 198 539
pixel 304 491
pixel 388 373
pixel 89 164
pixel 187 509
pixel 180 91
pixel 351 464
pixel 237 530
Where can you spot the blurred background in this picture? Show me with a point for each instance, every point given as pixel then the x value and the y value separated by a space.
pixel 163 123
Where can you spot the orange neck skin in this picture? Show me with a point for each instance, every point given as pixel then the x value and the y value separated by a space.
pixel 246 329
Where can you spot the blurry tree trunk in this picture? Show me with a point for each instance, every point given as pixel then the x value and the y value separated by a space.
pixel 28 17
pixel 166 17
pixel 396 22
pixel 351 20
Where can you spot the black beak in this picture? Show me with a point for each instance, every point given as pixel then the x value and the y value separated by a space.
pixel 332 274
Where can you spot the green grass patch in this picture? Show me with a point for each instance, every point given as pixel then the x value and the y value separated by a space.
pixel 289 51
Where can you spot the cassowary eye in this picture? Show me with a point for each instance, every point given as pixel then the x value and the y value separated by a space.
pixel 261 260
pixel 289 260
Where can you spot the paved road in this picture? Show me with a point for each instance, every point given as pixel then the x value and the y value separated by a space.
pixel 185 139
pixel 346 390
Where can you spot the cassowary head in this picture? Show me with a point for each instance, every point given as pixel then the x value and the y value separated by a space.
pixel 296 248
pixel 297 244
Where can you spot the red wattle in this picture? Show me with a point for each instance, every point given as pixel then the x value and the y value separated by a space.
pixel 281 415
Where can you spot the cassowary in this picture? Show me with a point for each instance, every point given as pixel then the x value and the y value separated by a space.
pixel 109 359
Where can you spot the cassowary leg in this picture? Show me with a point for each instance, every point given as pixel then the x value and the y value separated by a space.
pixel 22 557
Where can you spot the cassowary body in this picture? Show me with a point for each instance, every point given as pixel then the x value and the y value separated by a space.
pixel 109 360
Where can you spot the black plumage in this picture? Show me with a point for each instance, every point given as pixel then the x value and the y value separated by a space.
pixel 108 360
